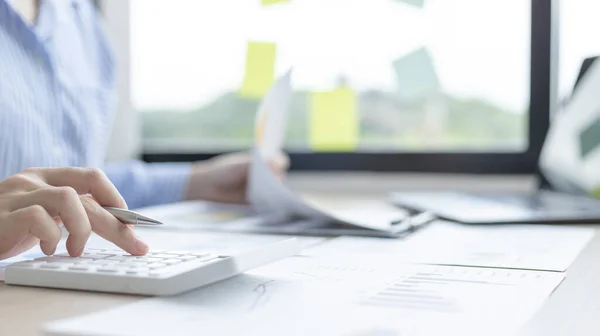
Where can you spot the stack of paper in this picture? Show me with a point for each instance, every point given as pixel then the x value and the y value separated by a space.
pixel 307 296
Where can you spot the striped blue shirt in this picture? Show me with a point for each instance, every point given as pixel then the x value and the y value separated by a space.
pixel 57 101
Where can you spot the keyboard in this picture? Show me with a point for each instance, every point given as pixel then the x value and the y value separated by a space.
pixel 160 272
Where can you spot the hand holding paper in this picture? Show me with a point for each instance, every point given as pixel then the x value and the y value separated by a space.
pixel 269 196
pixel 224 179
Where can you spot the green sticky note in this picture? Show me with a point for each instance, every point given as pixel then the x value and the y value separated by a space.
pixel 416 75
pixel 260 69
pixel 333 120
pixel 271 2
pixel 418 3
pixel 589 140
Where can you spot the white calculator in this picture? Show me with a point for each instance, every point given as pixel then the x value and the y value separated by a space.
pixel 160 272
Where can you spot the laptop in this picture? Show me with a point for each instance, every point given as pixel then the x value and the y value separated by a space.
pixel 545 205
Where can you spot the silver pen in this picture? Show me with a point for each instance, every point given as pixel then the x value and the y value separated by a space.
pixel 132 217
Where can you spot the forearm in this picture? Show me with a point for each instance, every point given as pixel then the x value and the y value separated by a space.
pixel 143 184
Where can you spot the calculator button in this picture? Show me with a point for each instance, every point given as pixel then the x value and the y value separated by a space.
pixel 201 254
pixel 97 262
pixel 157 251
pixel 158 272
pixel 51 266
pixel 172 261
pixel 135 262
pixel 108 261
pixel 148 259
pixel 156 265
pixel 114 252
pixel 118 258
pixel 131 271
pixel 64 261
pixel 29 263
pixel 186 257
pixel 80 268
pixel 108 253
pixel 178 252
pixel 78 261
pixel 107 270
pixel 44 258
pixel 121 266
pixel 62 255
pixel 162 255
pixel 93 256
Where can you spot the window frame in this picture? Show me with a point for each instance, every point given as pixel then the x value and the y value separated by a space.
pixel 544 38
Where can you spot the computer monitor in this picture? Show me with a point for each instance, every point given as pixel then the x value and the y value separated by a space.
pixel 585 66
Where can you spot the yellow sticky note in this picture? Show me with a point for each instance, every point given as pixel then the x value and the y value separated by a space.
pixel 271 2
pixel 260 69
pixel 596 192
pixel 333 120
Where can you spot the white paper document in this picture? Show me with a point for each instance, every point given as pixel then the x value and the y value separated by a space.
pixel 208 216
pixel 535 247
pixel 272 198
pixel 336 296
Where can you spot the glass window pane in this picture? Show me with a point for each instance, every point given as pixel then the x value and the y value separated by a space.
pixel 579 27
pixel 369 75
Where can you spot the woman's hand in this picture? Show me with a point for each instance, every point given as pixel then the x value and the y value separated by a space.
pixel 36 202
pixel 225 177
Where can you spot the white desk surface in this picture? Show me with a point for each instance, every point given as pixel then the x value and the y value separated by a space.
pixel 574 309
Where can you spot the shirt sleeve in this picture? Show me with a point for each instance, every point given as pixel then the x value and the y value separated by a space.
pixel 146 184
